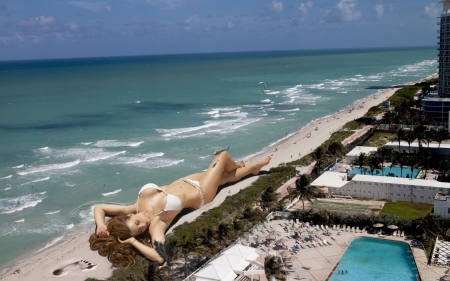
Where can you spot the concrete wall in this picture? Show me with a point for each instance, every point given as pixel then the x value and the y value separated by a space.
pixel 441 207
pixel 389 191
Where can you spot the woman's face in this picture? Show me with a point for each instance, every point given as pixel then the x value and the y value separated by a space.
pixel 138 223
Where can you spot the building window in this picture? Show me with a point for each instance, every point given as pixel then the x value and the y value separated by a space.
pixel 448 211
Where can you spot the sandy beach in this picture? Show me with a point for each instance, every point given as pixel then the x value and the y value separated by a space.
pixel 73 259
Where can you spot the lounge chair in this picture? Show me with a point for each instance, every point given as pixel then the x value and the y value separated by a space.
pixel 332 237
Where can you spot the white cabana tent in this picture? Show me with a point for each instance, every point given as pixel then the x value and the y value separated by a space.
pixel 237 260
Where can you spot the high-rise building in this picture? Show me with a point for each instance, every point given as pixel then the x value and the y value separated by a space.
pixel 437 105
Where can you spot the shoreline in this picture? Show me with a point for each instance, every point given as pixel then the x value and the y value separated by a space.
pixel 71 253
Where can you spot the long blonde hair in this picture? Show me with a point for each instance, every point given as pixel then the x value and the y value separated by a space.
pixel 121 254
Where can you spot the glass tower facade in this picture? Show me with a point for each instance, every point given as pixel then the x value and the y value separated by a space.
pixel 438 105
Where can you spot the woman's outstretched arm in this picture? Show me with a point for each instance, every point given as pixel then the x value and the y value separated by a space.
pixel 101 210
pixel 147 251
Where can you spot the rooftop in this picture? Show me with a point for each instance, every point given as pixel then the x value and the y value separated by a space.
pixel 331 179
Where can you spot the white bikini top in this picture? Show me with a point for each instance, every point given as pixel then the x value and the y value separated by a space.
pixel 173 203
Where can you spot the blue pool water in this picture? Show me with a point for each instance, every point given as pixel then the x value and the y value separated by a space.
pixel 375 259
pixel 406 173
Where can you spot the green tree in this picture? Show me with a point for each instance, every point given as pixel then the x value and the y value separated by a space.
pixel 274 267
pixel 409 138
pixel 400 159
pixel 374 163
pixel 360 161
pixel 303 188
pixel 441 135
pixel 384 153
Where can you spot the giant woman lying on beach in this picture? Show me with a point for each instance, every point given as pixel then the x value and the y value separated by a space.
pixel 141 227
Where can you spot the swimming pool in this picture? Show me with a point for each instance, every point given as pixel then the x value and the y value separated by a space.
pixel 393 170
pixel 376 259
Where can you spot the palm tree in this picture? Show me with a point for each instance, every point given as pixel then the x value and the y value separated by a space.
pixel 441 135
pixel 269 199
pixel 360 160
pixel 400 136
pixel 400 159
pixel 319 154
pixel 409 138
pixel 374 163
pixel 274 269
pixel 420 134
pixel 384 153
pixel 336 148
pixel 430 136
pixel 302 189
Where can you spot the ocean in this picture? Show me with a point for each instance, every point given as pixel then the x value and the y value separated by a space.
pixel 78 132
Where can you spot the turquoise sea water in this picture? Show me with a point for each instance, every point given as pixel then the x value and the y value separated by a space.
pixel 396 170
pixel 375 259
pixel 74 133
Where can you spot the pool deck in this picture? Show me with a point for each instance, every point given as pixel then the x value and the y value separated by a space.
pixel 317 263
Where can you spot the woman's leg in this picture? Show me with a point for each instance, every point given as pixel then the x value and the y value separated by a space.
pixel 223 169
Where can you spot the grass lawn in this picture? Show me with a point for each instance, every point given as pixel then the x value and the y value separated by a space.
pixel 334 206
pixel 379 139
pixel 353 125
pixel 406 210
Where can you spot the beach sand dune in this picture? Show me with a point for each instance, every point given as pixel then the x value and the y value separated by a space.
pixel 75 261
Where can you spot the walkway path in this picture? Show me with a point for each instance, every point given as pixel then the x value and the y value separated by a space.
pixel 362 131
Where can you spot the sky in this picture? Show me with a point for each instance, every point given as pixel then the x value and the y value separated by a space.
pixel 46 29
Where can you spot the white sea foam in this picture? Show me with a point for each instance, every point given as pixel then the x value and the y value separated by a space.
pixel 52 213
pixel 7 177
pixel 137 101
pixel 16 204
pixel 43 179
pixel 115 143
pixel 112 192
pixel 51 243
pixel 8 188
pixel 69 226
pixel 266 101
pixel 86 143
pixel 203 157
pixel 42 193
pixel 22 220
pixel 50 167
pixel 104 156
pixel 44 148
pixel 137 158
pixel 286 110
pixel 18 167
pixel 273 93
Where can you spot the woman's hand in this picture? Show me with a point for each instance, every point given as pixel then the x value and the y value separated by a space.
pixel 127 241
pixel 102 231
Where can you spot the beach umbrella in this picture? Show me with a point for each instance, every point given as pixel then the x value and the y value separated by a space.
pixel 271 236
pixel 392 227
pixel 282 240
pixel 378 225
pixel 274 232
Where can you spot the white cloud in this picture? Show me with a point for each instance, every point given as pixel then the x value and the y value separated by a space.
pixel 276 6
pixel 91 6
pixel 304 7
pixel 73 26
pixel 380 10
pixel 231 24
pixel 432 10
pixel 348 10
pixel 38 21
